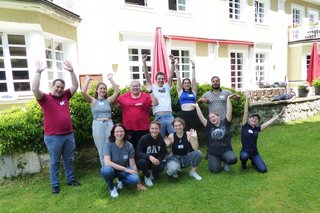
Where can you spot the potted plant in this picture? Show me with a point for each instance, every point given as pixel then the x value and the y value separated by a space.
pixel 303 90
pixel 316 85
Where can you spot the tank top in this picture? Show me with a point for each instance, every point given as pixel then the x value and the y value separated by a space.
pixel 180 146
pixel 101 109
pixel 187 98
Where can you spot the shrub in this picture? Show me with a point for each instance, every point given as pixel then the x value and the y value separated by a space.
pixel 22 128
pixel 316 82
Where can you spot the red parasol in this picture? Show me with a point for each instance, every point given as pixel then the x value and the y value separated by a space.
pixel 314 66
pixel 160 57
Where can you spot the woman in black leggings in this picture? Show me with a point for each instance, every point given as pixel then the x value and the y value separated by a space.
pixel 219 146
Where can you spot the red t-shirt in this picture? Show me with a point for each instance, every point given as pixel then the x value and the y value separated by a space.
pixel 135 111
pixel 56 114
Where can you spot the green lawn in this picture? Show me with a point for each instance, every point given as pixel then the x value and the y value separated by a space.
pixel 291 152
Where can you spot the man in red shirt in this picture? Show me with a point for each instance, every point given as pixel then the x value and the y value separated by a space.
pixel 135 106
pixel 58 131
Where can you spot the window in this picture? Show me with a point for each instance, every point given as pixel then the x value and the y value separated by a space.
pixel 184 64
pixel 14 72
pixel 234 9
pixel 297 14
pixel 137 2
pixel 313 16
pixel 260 68
pixel 177 5
pixel 236 62
pixel 135 63
pixel 259 14
pixel 54 59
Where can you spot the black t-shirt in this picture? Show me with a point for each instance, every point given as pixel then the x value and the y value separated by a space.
pixel 249 137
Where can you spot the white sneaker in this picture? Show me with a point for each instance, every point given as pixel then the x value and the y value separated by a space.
pixel 148 181
pixel 114 192
pixel 119 185
pixel 226 167
pixel 195 175
pixel 175 175
pixel 151 175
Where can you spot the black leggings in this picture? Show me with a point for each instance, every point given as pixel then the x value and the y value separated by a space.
pixel 214 162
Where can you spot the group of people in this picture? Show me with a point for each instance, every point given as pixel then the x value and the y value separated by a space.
pixel 136 144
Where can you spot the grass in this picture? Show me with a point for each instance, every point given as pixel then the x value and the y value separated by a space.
pixel 291 152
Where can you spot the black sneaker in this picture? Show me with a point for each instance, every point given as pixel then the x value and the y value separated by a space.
pixel 55 190
pixel 74 183
pixel 244 165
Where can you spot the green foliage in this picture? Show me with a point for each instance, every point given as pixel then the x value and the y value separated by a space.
pixel 316 82
pixel 22 128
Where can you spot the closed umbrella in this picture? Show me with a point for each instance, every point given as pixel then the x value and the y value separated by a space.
pixel 160 57
pixel 314 68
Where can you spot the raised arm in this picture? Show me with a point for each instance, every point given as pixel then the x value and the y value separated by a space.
pixel 229 108
pixel 113 98
pixel 145 68
pixel 245 111
pixel 203 120
pixel 74 81
pixel 193 73
pixel 273 119
pixel 175 65
pixel 84 89
pixel 154 99
pixel 171 70
pixel 36 81
pixel 193 139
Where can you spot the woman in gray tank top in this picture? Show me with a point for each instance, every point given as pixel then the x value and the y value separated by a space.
pixel 101 111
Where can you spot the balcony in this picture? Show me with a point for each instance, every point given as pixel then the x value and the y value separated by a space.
pixel 304 32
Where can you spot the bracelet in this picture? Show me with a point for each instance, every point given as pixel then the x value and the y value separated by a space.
pixel 150 92
pixel 38 71
pixel 193 67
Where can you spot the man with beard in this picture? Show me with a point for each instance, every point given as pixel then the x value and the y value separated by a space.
pixel 217 98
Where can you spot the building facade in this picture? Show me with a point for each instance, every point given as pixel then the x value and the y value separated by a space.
pixel 246 43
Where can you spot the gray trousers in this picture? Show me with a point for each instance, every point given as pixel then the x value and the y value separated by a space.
pixel 176 162
pixel 101 132
pixel 214 162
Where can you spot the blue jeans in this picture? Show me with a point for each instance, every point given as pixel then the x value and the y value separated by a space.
pixel 175 162
pixel 166 123
pixel 255 159
pixel 108 173
pixel 60 145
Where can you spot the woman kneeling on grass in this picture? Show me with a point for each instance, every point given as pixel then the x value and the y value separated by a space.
pixel 119 161
pixel 151 152
pixel 181 142
pixel 219 146
pixel 249 136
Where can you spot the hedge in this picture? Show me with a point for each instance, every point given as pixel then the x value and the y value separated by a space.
pixel 22 128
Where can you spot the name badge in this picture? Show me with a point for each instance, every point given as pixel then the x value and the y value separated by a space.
pixel 125 157
pixel 250 131
pixel 101 103
pixel 190 95
pixel 222 97
pixel 180 146
pixel 138 104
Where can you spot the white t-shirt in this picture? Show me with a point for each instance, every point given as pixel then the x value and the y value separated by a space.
pixel 164 98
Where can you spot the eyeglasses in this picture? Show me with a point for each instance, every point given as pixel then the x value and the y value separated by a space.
pixel 135 86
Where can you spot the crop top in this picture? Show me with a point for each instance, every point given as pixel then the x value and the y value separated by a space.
pixel 187 98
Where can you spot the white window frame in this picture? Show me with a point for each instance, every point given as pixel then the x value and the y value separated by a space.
pixel 266 11
pixel 184 63
pixel 57 69
pixel 296 7
pixel 261 64
pixel 146 3
pixel 314 13
pixel 139 63
pixel 235 84
pixel 181 6
pixel 8 69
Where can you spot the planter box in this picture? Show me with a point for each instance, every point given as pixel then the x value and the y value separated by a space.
pixel 303 93
pixel 317 90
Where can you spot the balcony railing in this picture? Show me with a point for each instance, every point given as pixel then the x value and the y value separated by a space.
pixel 304 32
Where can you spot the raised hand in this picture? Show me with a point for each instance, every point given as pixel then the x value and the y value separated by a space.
pixel 192 62
pixel 148 87
pixel 109 76
pixel 193 133
pixel 40 66
pixel 68 66
pixel 144 57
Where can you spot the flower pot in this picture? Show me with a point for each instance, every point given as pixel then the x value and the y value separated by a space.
pixel 317 90
pixel 303 93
